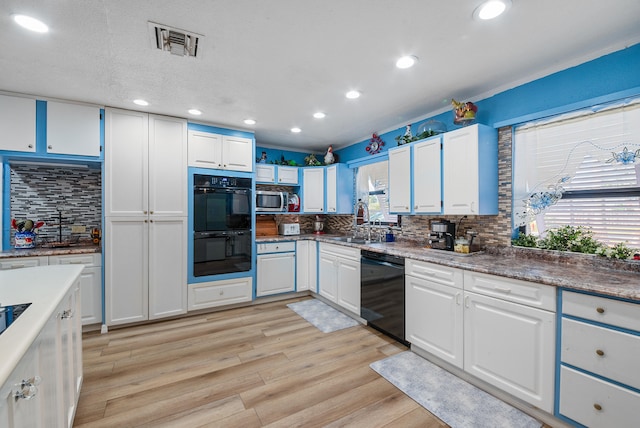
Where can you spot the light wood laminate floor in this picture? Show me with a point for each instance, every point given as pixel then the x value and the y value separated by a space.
pixel 256 366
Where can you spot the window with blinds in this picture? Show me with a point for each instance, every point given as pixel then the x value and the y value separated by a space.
pixel 581 169
pixel 372 182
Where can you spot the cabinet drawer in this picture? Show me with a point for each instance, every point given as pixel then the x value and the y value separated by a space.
pixel 523 292
pixel 609 353
pixel 439 274
pixel 219 293
pixel 596 403
pixel 79 259
pixel 276 247
pixel 340 251
pixel 22 262
pixel 601 309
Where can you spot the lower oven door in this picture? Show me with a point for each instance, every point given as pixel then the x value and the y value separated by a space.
pixel 216 253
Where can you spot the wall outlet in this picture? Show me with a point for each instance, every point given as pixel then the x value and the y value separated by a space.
pixel 78 229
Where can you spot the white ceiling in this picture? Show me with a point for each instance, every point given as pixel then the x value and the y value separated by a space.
pixel 279 61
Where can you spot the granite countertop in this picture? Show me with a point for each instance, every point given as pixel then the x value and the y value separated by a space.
pixel 44 251
pixel 573 271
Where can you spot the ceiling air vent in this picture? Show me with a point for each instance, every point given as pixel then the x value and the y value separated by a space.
pixel 173 40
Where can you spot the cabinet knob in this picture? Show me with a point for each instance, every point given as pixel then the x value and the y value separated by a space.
pixel 66 314
pixel 144 212
pixel 600 310
pixel 145 220
pixel 600 352
pixel 30 146
pixel 49 147
pixel 597 406
pixel 150 212
pixel 27 389
pixel 415 208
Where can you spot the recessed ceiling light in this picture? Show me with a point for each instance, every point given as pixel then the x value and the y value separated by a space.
pixel 141 102
pixel 491 9
pixel 249 122
pixel 195 112
pixel 296 130
pixel 352 95
pixel 406 61
pixel 31 23
pixel 319 115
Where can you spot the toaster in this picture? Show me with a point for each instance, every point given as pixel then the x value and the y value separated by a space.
pixel 289 229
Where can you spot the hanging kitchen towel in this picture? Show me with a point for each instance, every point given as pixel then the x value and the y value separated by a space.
pixel 456 402
pixel 322 316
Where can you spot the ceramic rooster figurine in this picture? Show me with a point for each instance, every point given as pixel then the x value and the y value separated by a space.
pixel 329 158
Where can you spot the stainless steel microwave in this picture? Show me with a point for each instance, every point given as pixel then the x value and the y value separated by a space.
pixel 270 201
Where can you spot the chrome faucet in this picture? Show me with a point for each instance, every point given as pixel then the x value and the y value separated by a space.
pixel 365 214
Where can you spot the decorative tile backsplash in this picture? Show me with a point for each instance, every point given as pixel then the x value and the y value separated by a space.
pixel 39 192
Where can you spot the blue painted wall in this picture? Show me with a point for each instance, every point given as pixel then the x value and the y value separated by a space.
pixel 277 154
pixel 607 78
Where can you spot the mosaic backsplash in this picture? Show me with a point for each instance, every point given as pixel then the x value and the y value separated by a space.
pixel 39 192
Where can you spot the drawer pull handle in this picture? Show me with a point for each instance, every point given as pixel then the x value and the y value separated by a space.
pixel 600 310
pixel 66 314
pixel 600 352
pixel 597 406
pixel 505 290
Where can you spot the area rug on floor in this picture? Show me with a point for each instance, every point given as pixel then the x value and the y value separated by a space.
pixel 456 402
pixel 322 316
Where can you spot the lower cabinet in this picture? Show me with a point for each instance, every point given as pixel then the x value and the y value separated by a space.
pixel 499 330
pixel 44 388
pixel 276 268
pixel 219 293
pixel 306 265
pixel 23 262
pixel 339 275
pixel 599 348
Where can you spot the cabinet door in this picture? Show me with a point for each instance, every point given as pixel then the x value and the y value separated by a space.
pixel 400 180
pixel 17 124
pixel 205 149
pixel 265 173
pixel 434 319
pixel 126 270
pixel 167 267
pixel 24 412
pixel 313 190
pixel 22 262
pixel 220 293
pixel 65 312
pixel 288 175
pixel 126 163
pixel 237 153
pixel 91 295
pixel 167 166
pixel 349 285
pixel 306 265
pixel 427 196
pixel 73 129
pixel 275 273
pixel 460 171
pixel 328 276
pixel 48 364
pixel 332 189
pixel 510 346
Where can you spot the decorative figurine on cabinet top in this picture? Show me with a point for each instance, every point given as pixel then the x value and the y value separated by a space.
pixel 375 144
pixel 329 158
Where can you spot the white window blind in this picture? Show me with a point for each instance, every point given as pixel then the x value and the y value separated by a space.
pixel 588 159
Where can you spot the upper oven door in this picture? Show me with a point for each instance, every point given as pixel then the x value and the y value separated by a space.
pixel 221 209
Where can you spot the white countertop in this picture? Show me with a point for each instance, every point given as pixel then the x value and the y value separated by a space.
pixel 43 287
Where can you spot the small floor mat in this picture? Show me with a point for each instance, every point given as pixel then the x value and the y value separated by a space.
pixel 455 401
pixel 322 316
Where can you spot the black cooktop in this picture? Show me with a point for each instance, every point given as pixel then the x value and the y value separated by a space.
pixel 8 314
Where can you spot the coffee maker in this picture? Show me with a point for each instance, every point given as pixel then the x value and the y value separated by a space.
pixel 442 235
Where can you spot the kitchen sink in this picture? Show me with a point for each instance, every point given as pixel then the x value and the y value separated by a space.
pixel 350 239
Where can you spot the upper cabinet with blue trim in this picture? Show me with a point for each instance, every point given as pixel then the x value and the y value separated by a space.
pixel 212 150
pixel 50 130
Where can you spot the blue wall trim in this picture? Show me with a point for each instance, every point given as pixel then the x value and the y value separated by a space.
pixel 218 130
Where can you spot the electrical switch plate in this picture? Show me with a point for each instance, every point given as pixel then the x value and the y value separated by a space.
pixel 78 229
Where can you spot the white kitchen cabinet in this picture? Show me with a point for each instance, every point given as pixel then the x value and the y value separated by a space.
pixel 306 265
pixel 339 189
pixel 434 311
pixel 90 283
pixel 210 150
pixel 224 292
pixel 509 336
pixel 339 275
pixel 400 179
pixel 600 344
pixel 23 262
pixel 276 268
pixel 73 129
pixel 470 171
pixel 146 217
pixel 265 173
pixel 313 190
pixel 427 180
pixel 17 124
pixel 288 175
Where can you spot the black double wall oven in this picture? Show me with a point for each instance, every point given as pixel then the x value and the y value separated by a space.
pixel 221 224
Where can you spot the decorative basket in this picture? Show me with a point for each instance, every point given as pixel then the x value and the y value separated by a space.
pixel 25 240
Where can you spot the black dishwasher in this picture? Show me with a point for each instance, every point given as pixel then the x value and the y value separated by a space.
pixel 382 293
